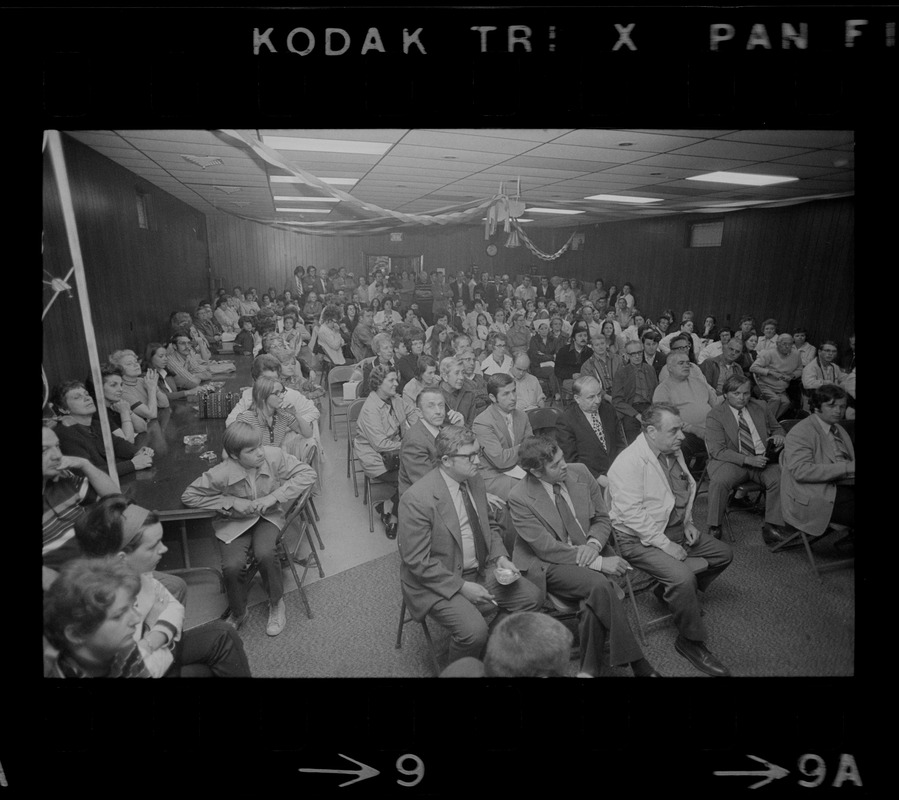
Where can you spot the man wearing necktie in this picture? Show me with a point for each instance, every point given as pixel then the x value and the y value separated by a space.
pixel 588 430
pixel 562 541
pixel 737 435
pixel 450 546
pixel 818 476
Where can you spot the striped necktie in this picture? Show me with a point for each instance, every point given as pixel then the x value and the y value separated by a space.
pixel 839 444
pixel 597 426
pixel 746 444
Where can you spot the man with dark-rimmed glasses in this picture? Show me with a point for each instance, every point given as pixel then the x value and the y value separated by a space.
pixel 451 547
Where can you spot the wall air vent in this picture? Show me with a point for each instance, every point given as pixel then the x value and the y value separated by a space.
pixel 203 161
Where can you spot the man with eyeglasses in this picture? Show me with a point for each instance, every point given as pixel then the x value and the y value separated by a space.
pixel 588 430
pixel 632 389
pixel 679 344
pixel 451 546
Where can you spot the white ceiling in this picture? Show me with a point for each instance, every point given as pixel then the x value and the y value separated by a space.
pixel 424 170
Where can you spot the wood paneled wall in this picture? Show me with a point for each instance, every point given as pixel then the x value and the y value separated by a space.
pixel 793 263
pixel 135 277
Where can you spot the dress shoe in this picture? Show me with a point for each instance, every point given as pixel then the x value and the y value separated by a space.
pixel 773 535
pixel 700 657
pixel 742 502
pixel 659 591
pixel 390 530
pixel 715 531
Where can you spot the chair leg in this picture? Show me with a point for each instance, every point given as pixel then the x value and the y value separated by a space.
pixel 431 649
pixel 315 513
pixel 311 521
pixel 399 630
pixel 299 581
pixel 630 591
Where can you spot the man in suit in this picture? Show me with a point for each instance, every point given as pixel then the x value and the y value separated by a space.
pixel 418 453
pixel 818 478
pixel 719 368
pixel 588 431
pixel 632 388
pixel 562 542
pixel 652 495
pixel 737 434
pixel 572 356
pixel 487 290
pixel 461 291
pixel 450 546
pixel 545 291
pixel 313 283
pixel 500 428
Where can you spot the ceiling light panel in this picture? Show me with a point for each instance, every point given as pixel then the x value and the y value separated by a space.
pixel 308 145
pixel 742 178
pixel 621 198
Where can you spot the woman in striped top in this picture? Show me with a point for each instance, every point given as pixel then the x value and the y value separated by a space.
pixel 274 420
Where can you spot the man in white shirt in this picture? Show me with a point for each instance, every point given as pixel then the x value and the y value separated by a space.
pixel 715 348
pixel 529 393
pixel 593 325
pixel 525 290
pixel 499 360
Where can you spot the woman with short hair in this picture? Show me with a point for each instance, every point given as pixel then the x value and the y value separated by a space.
pixel 156 358
pixel 382 422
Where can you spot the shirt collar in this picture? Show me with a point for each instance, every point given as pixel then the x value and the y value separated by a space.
pixel 430 428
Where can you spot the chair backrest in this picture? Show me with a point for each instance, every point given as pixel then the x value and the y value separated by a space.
pixel 310 455
pixel 294 511
pixel 352 415
pixel 543 417
pixel 339 375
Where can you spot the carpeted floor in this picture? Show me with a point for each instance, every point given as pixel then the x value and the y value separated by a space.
pixel 767 615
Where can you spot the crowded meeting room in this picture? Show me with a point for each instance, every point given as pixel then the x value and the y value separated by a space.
pixel 382 402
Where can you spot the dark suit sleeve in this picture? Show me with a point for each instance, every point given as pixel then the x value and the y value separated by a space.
pixel 619 393
pixel 416 458
pixel 414 540
pixel 615 433
pixel 716 440
pixel 499 457
pixel 707 368
pixel 567 438
pixel 774 427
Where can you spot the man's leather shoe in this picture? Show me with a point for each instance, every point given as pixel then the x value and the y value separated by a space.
pixel 774 535
pixel 390 530
pixel 700 657
pixel 742 502
pixel 659 591
pixel 715 530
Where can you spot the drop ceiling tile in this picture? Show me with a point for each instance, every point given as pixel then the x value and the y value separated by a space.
pixel 390 135
pixel 571 165
pixel 695 164
pixel 404 150
pixel 821 158
pixel 615 156
pixel 719 148
pixel 809 139
pixel 460 141
pixel 530 134
pixel 657 142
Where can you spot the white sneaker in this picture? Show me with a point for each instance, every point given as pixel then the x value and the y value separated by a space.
pixel 277 618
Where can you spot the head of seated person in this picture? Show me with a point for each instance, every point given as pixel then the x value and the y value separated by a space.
pixel 242 443
pixel 179 320
pixel 89 614
pixel 73 402
pixel 528 645
pixel 114 526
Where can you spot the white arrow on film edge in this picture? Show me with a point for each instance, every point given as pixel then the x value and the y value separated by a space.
pixel 770 773
pixel 361 774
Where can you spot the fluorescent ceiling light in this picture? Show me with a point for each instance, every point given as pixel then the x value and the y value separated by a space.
pixel 623 198
pixel 742 178
pixel 306 210
pixel 517 219
pixel 291 198
pixel 554 211
pixel 327 145
pixel 330 181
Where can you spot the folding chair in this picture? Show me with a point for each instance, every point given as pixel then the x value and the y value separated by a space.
pixel 371 487
pixel 807 541
pixel 747 487
pixel 352 416
pixel 298 512
pixel 337 376
pixel 404 619
pixel 310 511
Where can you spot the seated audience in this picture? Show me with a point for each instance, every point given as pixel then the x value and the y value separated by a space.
pixel 473 379
pixel 528 391
pixel 450 546
pixel 383 421
pixel 382 344
pixel 329 336
pixel 807 351
pixel 499 359
pixel 653 356
pixel 418 453
pixel 156 358
pixel 562 545
pixel 251 489
pixel 227 316
pixel 248 341
pixel 117 528
pixel 775 368
pixel 588 430
pixel 769 338
pixel 123 421
pixel 525 644
pixel 693 398
pixel 458 396
pixel 500 429
pixel 632 389
pixel 571 357
pixel 184 365
pixel 208 327
pixel 743 440
pixel 413 342
pixel 719 368
pixel 80 433
pixel 425 375
pixel 518 336
pixel 68 485
pixel 652 494
pixel 716 346
pixel 143 394
pixel 542 355
pixel 818 478
pixel 181 321
pixel 823 369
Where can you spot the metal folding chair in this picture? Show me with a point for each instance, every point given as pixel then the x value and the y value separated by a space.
pixel 352 462
pixel 404 619
pixel 337 376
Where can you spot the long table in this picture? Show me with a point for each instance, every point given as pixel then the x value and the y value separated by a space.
pixel 176 465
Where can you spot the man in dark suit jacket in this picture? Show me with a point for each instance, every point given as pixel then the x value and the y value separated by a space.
pixel 499 444
pixel 450 546
pixel 737 454
pixel 488 292
pixel 818 478
pixel 418 453
pixel 632 389
pixel 460 290
pixel 718 369
pixel 588 430
pixel 651 353
pixel 562 535
pixel 545 291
